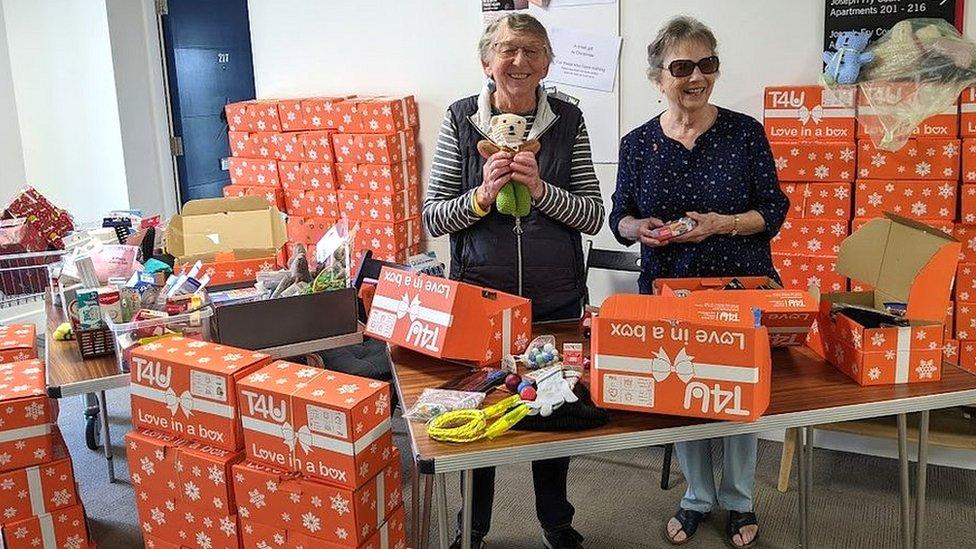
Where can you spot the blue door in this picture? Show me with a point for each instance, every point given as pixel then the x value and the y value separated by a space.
pixel 208 61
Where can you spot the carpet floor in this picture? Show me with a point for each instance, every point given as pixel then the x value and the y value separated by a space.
pixel 618 501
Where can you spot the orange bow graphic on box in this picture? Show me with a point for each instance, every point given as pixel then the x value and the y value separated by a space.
pixel 682 366
pixel 405 307
pixel 182 402
pixel 303 437
pixel 805 114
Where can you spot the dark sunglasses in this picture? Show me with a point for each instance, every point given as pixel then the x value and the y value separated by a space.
pixel 680 68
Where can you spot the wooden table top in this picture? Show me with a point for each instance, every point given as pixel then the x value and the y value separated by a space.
pixel 806 390
pixel 67 373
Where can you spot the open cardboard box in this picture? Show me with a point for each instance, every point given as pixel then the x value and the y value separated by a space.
pixel 788 314
pixel 234 237
pixel 448 319
pixel 905 262
pixel 703 355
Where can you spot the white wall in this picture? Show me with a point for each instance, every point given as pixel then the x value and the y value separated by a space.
pixel 11 151
pixel 64 84
pixel 141 96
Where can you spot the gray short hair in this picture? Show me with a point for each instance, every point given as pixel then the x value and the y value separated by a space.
pixel 516 22
pixel 679 29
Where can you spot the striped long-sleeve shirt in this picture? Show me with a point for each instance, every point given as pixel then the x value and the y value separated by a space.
pixel 447 209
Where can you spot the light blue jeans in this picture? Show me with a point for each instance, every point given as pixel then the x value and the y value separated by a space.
pixel 738 473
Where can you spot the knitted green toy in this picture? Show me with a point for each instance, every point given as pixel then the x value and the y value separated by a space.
pixel 507 133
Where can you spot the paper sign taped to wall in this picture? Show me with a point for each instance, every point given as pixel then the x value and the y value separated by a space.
pixel 583 59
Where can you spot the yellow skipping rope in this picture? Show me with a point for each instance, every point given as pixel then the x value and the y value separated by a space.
pixel 472 425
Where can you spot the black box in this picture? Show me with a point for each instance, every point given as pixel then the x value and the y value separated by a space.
pixel 286 320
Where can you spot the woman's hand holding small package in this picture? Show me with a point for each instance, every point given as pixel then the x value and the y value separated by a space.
pixel 709 224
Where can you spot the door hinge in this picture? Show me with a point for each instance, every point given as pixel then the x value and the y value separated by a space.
pixel 176 146
pixel 162 7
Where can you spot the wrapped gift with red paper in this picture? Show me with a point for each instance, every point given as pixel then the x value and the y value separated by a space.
pixel 52 222
pixel 19 236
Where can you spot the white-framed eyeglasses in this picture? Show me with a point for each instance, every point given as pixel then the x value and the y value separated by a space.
pixel 507 50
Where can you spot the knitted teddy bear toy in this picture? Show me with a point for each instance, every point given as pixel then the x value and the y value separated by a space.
pixel 508 134
pixel 844 65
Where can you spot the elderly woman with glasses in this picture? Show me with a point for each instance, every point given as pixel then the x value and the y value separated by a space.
pixel 715 166
pixel 538 255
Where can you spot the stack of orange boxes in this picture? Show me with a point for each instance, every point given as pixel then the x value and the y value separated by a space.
pixel 43 509
pixel 188 436
pixel 321 467
pixel 811 132
pixel 962 347
pixel 322 158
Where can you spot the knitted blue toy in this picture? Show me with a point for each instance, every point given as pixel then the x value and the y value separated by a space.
pixel 844 64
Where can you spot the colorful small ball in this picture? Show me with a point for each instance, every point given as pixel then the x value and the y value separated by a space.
pixel 512 382
pixel 548 347
pixel 521 386
pixel 540 360
pixel 547 356
pixel 532 353
pixel 528 393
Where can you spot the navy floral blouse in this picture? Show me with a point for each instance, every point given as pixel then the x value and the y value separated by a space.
pixel 730 170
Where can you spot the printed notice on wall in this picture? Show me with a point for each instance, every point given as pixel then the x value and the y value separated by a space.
pixel 584 60
pixel 877 16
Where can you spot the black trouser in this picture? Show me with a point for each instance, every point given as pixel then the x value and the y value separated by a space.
pixel 549 479
pixel 551 505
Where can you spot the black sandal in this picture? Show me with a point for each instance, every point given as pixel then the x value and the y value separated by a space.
pixel 689 525
pixel 737 521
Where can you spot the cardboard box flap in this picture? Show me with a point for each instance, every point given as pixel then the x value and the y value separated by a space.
pixel 722 309
pixel 902 258
pixel 222 224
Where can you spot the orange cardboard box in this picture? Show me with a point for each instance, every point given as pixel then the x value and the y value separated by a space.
pixel 296 176
pixel 905 262
pixel 317 146
pixel 819 200
pixel 322 511
pixel 253 116
pixel 186 388
pixel 257 145
pixel 388 237
pixel 40 489
pixel 25 415
pixel 274 196
pixel 950 351
pixel 234 267
pixel 290 115
pixel 312 203
pixel 236 114
pixel 153 542
pixel 198 526
pixel 703 355
pixel 967 356
pixel 965 321
pixel 809 113
pixel 448 319
pixel 251 172
pixel 917 199
pixel 63 528
pixel 291 148
pixel 967 113
pixel 387 114
pixel 17 342
pixel 400 257
pixel 320 423
pixel 308 230
pixel 969 160
pixel 391 535
pixel 385 207
pixel 965 287
pixel 787 314
pixel 966 235
pixel 330 113
pixel 877 103
pixel 810 237
pixel 967 203
pixel 920 158
pixel 814 160
pixel 382 178
pixel 373 148
pixel 193 473
pixel 950 321
pixel 800 272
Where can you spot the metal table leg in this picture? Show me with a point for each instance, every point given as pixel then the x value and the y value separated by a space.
pixel 415 531
pixel 442 522
pixel 920 477
pixel 809 491
pixel 801 484
pixel 106 440
pixel 468 483
pixel 906 533
pixel 425 521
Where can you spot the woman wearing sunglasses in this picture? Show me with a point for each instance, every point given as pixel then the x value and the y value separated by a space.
pixel 714 166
